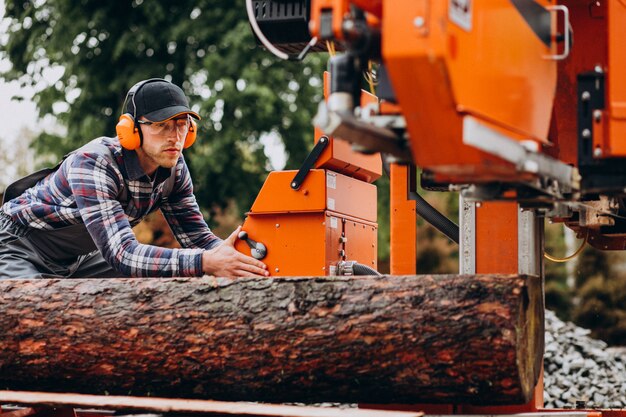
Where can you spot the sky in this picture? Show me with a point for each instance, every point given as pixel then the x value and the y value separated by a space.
pixel 13 114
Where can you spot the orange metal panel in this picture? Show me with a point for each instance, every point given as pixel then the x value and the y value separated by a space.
pixel 320 190
pixel 361 242
pixel 276 195
pixel 441 74
pixel 616 83
pixel 351 197
pixel 307 244
pixel 496 238
pixel 402 222
pixel 338 8
pixel 498 70
pixel 296 242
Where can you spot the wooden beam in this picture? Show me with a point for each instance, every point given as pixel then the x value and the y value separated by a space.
pixel 171 405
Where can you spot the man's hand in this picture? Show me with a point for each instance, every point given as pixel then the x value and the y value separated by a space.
pixel 226 261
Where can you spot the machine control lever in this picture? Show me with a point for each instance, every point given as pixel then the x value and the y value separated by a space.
pixel 309 162
pixel 257 249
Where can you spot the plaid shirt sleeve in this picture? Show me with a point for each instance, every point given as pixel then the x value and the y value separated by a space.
pixel 95 184
pixel 183 214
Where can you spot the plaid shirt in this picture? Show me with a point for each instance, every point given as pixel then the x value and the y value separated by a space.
pixel 85 189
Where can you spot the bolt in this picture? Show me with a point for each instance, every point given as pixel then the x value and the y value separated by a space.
pixel 598 69
pixel 342 253
pixel 597 115
pixel 585 96
pixel 597 152
pixel 277 225
pixel 419 22
pixel 586 133
pixel 276 269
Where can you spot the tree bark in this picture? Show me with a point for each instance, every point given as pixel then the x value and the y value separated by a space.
pixel 403 339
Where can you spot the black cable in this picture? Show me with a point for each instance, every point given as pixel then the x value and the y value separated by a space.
pixel 428 212
pixel 435 218
pixel 360 269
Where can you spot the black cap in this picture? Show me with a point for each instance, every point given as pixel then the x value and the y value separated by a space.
pixel 159 100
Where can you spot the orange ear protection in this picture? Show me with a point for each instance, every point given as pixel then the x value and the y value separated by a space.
pixel 127 131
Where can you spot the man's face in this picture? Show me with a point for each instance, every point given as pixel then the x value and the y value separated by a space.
pixel 162 142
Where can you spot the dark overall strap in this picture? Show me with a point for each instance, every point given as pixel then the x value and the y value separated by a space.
pixel 18 187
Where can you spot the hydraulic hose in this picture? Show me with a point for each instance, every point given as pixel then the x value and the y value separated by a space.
pixel 434 217
pixel 429 213
pixel 360 269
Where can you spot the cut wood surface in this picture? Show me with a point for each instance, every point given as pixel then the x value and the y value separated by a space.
pixel 403 339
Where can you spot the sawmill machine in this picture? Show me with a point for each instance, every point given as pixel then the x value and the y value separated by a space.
pixel 517 105
pixel 488 98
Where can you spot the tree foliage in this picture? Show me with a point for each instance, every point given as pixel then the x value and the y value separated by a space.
pixel 103 48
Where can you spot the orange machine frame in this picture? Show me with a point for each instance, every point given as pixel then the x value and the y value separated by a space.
pixel 331 218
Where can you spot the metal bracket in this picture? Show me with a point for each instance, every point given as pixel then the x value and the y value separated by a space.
pixel 310 160
pixel 567 35
pixel 522 155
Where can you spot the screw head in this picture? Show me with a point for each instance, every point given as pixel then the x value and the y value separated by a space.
pixel 585 96
pixel 597 115
pixel 586 133
pixel 597 152
pixel 419 22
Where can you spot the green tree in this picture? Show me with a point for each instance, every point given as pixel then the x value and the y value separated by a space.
pixel 602 308
pixel 558 294
pixel 103 48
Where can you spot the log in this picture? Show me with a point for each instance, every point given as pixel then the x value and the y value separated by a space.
pixel 401 339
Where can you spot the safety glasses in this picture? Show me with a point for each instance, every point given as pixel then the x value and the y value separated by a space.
pixel 169 127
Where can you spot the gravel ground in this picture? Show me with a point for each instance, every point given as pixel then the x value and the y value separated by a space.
pixel 579 368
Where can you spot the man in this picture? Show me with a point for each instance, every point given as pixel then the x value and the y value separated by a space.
pixel 75 220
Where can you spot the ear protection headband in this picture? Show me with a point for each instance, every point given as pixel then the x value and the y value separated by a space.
pixel 128 132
